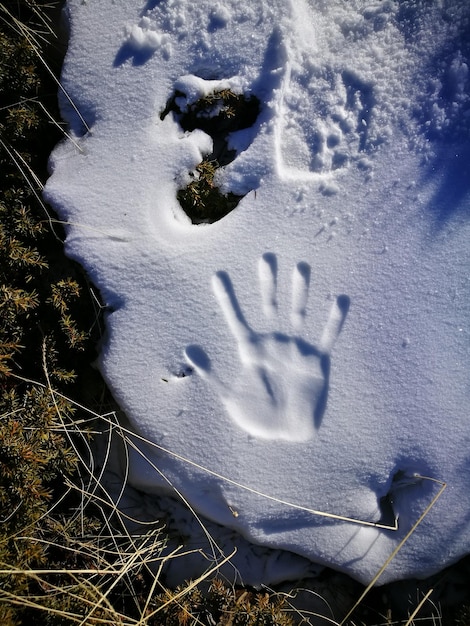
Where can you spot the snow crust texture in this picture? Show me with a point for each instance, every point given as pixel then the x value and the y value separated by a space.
pixel 299 365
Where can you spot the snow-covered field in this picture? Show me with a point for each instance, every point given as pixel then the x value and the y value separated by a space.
pixel 303 361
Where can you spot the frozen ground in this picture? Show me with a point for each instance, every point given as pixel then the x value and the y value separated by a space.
pixel 307 355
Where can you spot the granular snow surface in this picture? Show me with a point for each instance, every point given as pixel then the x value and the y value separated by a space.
pixel 301 363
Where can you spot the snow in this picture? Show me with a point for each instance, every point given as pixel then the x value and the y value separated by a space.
pixel 307 355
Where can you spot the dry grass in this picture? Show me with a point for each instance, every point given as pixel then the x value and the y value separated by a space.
pixel 115 575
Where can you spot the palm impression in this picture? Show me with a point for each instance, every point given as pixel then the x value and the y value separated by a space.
pixel 281 388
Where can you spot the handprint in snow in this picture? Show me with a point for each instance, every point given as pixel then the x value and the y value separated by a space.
pixel 282 384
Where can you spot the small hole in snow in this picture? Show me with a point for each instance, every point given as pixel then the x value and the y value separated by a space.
pixel 218 114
